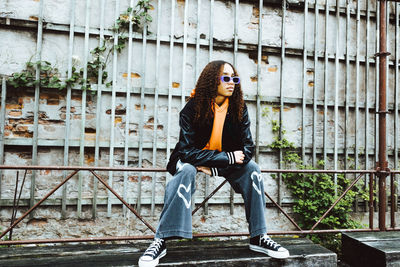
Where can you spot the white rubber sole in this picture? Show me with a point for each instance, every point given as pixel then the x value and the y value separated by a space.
pixel 271 253
pixel 152 263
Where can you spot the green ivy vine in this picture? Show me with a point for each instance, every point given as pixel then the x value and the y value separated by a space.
pixel 314 193
pixel 50 76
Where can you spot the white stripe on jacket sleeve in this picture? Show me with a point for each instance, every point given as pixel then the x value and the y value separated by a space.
pixel 214 171
pixel 231 157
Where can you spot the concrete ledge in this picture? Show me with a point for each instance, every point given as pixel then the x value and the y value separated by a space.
pixel 180 253
pixel 371 249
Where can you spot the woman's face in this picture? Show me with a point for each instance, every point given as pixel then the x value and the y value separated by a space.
pixel 225 89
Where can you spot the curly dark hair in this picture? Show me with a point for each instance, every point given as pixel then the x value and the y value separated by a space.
pixel 207 90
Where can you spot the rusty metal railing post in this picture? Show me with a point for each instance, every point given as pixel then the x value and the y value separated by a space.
pixel 382 199
pixel 392 202
pixel 382 166
pixel 371 200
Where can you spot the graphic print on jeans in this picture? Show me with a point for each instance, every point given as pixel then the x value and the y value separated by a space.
pixel 187 189
pixel 179 166
pixel 255 176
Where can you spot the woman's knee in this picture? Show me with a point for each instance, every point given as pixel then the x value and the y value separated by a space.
pixel 255 178
pixel 188 171
pixel 252 166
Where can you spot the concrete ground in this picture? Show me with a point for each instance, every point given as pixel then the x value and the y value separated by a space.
pixel 180 253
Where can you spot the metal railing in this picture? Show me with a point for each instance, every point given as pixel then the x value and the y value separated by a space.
pixel 93 170
pixel 364 15
pixel 322 13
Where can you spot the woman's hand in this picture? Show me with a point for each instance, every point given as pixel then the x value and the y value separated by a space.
pixel 204 169
pixel 239 156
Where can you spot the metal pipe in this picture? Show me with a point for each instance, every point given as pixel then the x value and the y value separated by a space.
pixel 347 88
pixel 113 100
pixel 382 163
pixel 141 121
pixel 377 84
pixel 396 104
pixel 84 168
pixel 98 110
pixel 38 203
pixel 356 100
pixel 336 100
pixel 128 103
pixel 367 85
pixel 83 109
pixel 206 192
pixel 326 60
pixel 258 96
pixel 197 67
pixel 303 110
pixel 371 200
pixel 68 106
pixel 315 92
pixel 235 64
pixel 155 125
pixel 235 34
pixel 184 52
pixel 316 171
pixel 281 102
pixel 387 60
pixel 211 37
pixel 366 79
pixel 171 57
pixel 36 105
pixel 135 169
pixel 356 108
pixel 2 126
pixel 392 202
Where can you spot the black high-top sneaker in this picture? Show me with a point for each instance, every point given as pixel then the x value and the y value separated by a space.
pixel 264 244
pixel 153 253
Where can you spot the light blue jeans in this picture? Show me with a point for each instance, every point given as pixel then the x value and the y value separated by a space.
pixel 176 217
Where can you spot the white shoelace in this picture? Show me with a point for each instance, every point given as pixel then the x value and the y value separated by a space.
pixel 265 238
pixel 154 247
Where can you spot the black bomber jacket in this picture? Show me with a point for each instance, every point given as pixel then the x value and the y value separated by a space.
pixel 193 138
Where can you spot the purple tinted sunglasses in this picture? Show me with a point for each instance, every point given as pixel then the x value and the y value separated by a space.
pixel 227 79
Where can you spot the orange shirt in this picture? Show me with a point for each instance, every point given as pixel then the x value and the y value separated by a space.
pixel 215 142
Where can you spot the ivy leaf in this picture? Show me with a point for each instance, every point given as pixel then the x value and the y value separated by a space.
pixel 45 68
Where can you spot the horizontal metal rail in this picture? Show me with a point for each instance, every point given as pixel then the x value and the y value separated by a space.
pixel 135 169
